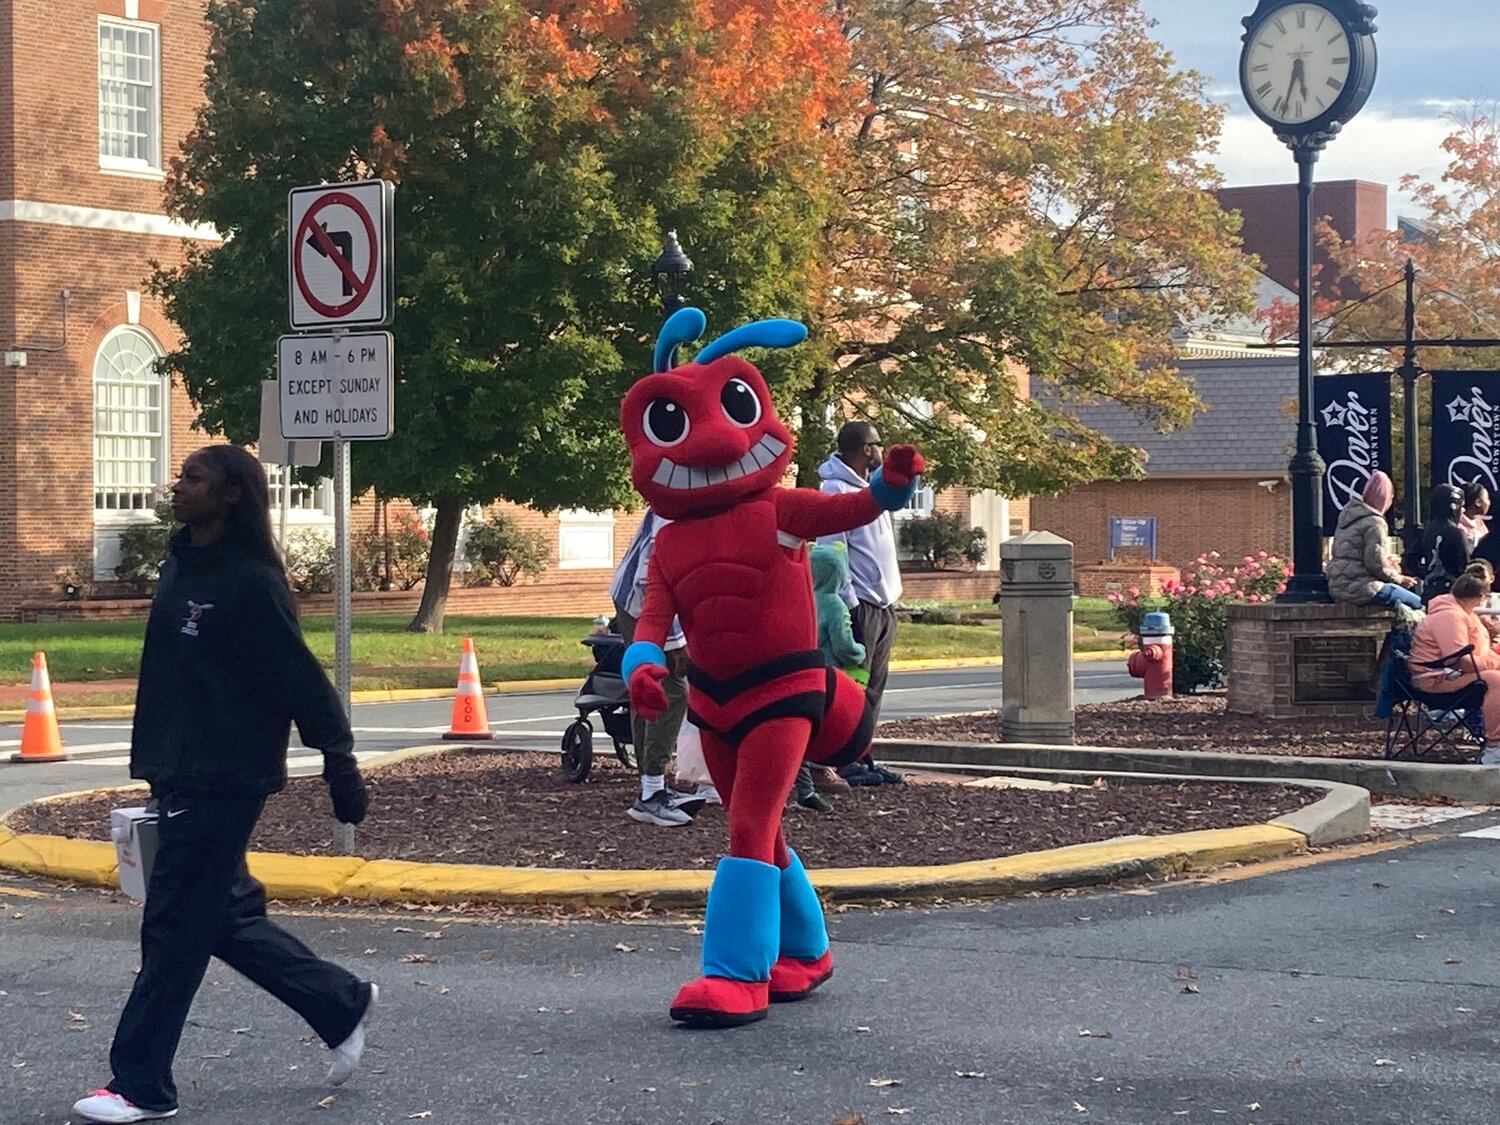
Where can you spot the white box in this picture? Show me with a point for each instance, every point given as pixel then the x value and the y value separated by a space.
pixel 134 833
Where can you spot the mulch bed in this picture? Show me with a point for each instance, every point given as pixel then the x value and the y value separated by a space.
pixel 514 808
pixel 1198 722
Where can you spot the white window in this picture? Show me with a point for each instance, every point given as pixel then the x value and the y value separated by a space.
pixel 130 422
pixel 920 504
pixel 585 540
pixel 309 502
pixel 129 96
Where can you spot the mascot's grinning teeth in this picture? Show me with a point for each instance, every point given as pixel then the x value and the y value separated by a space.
pixel 760 456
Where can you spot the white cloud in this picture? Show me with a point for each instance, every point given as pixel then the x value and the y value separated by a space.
pixel 1376 146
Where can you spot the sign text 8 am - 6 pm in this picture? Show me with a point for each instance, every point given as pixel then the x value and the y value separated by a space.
pixel 336 387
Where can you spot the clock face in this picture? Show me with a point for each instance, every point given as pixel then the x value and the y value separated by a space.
pixel 1296 64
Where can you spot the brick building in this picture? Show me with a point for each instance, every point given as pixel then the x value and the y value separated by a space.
pixel 1219 484
pixel 1355 208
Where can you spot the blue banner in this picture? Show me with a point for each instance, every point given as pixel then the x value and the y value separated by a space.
pixel 1354 436
pixel 1466 428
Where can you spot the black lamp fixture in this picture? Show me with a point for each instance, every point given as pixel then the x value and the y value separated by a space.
pixel 667 271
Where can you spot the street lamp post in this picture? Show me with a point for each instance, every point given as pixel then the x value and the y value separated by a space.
pixel 667 272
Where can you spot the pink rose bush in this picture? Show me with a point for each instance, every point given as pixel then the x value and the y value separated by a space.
pixel 1197 607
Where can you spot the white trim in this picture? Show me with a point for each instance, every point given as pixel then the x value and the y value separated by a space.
pixel 99 218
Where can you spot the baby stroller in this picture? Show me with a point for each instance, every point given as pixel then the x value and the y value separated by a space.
pixel 604 693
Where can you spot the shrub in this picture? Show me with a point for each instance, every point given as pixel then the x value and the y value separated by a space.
pixel 1197 607
pixel 309 562
pixel 143 548
pixel 410 544
pixel 942 540
pixel 499 551
pixel 938 615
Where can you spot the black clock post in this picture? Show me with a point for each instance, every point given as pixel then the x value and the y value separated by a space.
pixel 1325 53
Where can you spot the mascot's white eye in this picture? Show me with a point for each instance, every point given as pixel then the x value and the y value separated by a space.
pixel 665 422
pixel 741 406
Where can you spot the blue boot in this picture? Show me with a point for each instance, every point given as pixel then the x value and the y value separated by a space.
pixel 741 929
pixel 806 959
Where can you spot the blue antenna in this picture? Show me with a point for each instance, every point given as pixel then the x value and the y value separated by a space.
pixel 775 333
pixel 682 327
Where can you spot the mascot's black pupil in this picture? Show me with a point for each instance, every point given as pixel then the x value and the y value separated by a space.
pixel 667 420
pixel 739 402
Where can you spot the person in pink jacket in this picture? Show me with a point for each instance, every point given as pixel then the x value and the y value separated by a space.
pixel 1450 626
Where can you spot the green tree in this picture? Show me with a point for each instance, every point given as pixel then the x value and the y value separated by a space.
pixel 1021 199
pixel 538 148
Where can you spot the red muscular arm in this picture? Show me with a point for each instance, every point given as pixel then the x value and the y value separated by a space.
pixel 808 514
pixel 647 696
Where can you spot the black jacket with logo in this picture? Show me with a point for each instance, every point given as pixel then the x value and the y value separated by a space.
pixel 224 674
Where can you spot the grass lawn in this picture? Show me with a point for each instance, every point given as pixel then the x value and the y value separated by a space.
pixel 509 648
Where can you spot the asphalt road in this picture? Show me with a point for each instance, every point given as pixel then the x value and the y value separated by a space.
pixel 1361 991
pixel 99 751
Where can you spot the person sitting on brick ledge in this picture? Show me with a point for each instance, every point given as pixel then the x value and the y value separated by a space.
pixel 1360 571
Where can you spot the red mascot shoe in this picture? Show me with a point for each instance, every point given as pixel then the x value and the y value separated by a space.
pixel 721 1002
pixel 794 979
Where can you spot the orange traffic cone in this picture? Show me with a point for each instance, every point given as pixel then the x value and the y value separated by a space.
pixel 41 741
pixel 469 718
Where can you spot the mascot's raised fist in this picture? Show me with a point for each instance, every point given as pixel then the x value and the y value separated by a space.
pixel 902 465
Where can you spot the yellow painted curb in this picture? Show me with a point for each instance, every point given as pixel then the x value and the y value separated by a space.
pixel 302 876
pixel 83 861
pixel 390 880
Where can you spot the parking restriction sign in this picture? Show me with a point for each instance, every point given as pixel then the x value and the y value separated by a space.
pixel 339 254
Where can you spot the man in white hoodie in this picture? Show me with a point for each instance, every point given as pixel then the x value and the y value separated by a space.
pixel 874 574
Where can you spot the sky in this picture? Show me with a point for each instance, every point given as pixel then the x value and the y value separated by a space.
pixel 1436 57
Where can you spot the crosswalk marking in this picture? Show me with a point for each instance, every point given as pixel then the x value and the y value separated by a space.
pixel 1491 833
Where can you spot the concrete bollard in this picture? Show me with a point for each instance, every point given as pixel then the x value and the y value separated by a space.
pixel 1036 630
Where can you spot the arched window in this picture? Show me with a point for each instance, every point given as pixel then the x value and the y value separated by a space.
pixel 130 422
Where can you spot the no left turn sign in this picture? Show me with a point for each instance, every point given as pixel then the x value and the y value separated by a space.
pixel 339 254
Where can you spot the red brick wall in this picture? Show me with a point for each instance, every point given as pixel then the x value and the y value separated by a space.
pixel 1356 209
pixel 1233 517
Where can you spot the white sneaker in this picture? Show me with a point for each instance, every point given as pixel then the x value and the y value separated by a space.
pixel 709 794
pixel 107 1106
pixel 347 1054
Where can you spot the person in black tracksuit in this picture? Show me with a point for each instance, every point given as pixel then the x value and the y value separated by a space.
pixel 224 674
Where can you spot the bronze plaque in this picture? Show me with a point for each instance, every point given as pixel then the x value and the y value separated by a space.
pixel 1334 668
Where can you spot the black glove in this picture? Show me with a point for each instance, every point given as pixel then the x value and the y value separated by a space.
pixel 351 800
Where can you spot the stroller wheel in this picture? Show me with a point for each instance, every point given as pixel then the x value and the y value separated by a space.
pixel 625 754
pixel 578 750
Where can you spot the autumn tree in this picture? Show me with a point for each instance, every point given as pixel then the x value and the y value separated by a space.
pixel 1022 205
pixel 539 148
pixel 1360 290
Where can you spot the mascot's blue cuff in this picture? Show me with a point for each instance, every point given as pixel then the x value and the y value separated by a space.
pixel 804 934
pixel 642 652
pixel 742 921
pixel 888 496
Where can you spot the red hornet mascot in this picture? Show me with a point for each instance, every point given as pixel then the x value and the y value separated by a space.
pixel 708 452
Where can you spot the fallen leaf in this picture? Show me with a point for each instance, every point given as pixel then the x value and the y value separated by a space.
pixel 1469 1010
pixel 444 990
pixel 861 1030
pixel 418 959
pixel 897 1110
pixel 77 1017
pixel 419 1116
pixel 1378 886
pixel 1079 1108
pixel 224 1054
pixel 402 930
pixel 848 1119
pixel 433 935
pixel 240 1030
pixel 885 1082
pixel 1191 989
pixel 1420 937
pixel 370 951
pixel 324 1103
pixel 1445 910
pixel 1085 1033
pixel 969 1073
pixel 1385 1062
pixel 621 947
pixel 1452 961
pixel 1253 1105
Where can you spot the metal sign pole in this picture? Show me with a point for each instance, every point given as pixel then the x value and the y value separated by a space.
pixel 343 834
pixel 286 494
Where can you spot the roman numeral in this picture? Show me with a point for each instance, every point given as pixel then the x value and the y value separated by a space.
pixel 1335 84
pixel 1280 107
pixel 1341 60
pixel 1335 39
pixel 1297 107
pixel 1258 67
pixel 1321 21
pixel 1302 19
pixel 1263 89
pixel 1281 27
pixel 1321 103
